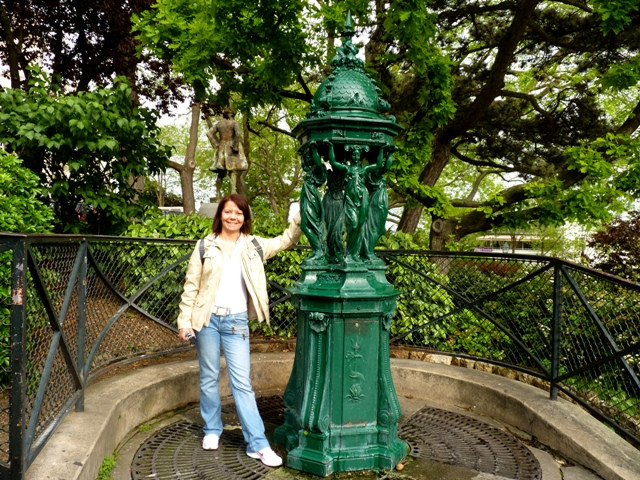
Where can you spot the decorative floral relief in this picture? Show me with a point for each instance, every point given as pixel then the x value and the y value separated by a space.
pixel 355 393
pixel 353 356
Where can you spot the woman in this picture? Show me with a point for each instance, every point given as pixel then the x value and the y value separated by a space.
pixel 225 286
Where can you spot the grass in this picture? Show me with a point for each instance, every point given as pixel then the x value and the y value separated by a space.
pixel 107 466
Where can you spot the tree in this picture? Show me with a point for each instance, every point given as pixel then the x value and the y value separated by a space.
pixel 510 89
pixel 86 148
pixel 81 44
pixel 248 50
pixel 513 98
pixel 274 177
pixel 617 249
pixel 177 136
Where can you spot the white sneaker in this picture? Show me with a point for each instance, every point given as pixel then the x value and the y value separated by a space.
pixel 268 457
pixel 210 442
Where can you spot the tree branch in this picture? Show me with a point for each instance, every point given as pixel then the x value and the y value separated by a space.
pixel 179 167
pixel 304 86
pixel 578 4
pixel 632 122
pixel 532 100
pixel 477 182
pixel 225 64
pixel 296 95
pixel 466 203
pixel 495 80
pixel 276 129
pixel 480 163
pixel 551 40
pixel 475 9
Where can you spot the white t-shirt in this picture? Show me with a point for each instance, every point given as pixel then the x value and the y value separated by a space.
pixel 232 291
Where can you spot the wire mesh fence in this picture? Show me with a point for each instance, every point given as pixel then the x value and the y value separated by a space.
pixel 73 307
pixel 7 248
pixel 575 328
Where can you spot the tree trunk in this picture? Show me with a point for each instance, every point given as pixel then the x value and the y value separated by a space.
pixel 410 218
pixel 442 230
pixel 429 176
pixel 186 174
pixel 12 52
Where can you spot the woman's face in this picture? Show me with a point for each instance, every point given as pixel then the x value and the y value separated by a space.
pixel 232 218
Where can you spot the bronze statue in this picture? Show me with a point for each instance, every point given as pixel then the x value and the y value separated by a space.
pixel 228 158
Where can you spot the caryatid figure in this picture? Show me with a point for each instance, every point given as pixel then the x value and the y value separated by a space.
pixel 356 197
pixel 375 225
pixel 311 207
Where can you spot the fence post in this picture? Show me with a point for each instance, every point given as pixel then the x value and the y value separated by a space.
pixel 82 319
pixel 556 330
pixel 17 412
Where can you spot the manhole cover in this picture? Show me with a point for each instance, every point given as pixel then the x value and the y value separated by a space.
pixel 450 438
pixel 175 452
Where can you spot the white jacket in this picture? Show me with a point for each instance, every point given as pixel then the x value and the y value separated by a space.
pixel 203 276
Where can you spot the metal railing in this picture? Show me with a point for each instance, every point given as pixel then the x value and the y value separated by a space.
pixel 72 307
pixel 574 328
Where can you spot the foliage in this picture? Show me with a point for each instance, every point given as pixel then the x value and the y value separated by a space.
pixel 617 249
pixel 191 226
pixel 85 147
pixel 275 175
pixel 615 15
pixel 205 40
pixel 282 272
pixel 428 314
pixel 155 192
pixel 421 301
pixel 107 466
pixel 403 241
pixel 22 212
pixel 508 111
pixel 82 44
pixel 534 113
pixel 511 111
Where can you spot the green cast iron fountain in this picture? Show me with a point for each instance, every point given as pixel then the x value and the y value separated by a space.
pixel 341 406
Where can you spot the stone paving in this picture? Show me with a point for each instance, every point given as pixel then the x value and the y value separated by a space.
pixel 123 412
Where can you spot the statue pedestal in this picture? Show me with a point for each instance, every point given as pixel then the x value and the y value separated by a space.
pixel 341 406
pixel 208 209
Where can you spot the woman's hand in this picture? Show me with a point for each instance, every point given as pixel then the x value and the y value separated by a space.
pixel 186 332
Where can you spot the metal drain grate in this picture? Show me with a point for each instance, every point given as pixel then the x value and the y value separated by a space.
pixel 175 452
pixel 446 437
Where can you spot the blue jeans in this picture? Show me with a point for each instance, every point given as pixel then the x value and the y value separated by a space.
pixel 232 333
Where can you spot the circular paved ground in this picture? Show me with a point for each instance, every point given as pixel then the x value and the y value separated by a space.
pixel 433 434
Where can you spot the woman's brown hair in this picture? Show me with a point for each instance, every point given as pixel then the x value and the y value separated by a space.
pixel 242 204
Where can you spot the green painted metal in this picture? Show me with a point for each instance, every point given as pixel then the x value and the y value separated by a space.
pixel 342 411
